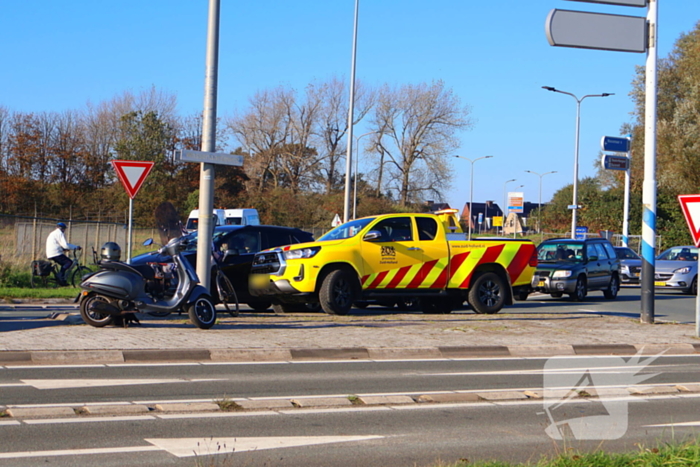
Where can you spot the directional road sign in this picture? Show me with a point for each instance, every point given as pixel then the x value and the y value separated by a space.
pixel 219 158
pixel 615 162
pixel 132 174
pixel 615 144
pixel 586 30
pixel 690 204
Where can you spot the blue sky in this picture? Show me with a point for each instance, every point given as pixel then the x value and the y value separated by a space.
pixel 494 54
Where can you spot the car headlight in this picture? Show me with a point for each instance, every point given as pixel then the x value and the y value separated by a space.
pixel 684 270
pixel 624 268
pixel 302 253
pixel 561 274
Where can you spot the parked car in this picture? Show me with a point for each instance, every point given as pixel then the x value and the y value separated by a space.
pixel 576 267
pixel 236 245
pixel 677 269
pixel 630 265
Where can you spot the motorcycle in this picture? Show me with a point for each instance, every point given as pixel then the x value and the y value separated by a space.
pixel 119 289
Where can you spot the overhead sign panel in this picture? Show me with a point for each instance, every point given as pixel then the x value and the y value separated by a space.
pixel 615 144
pixel 585 30
pixel 132 174
pixel 640 3
pixel 690 204
pixel 615 162
pixel 219 158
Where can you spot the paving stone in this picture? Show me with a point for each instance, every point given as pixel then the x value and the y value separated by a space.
pixel 126 409
pixel 188 407
pixel 387 400
pixel 502 395
pixel 449 397
pixel 22 412
pixel 322 402
pixel 266 404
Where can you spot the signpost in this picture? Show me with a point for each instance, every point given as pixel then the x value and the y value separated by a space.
pixel 132 175
pixel 581 232
pixel 515 202
pixel 690 204
pixel 218 158
pixel 615 144
pixel 586 30
pixel 615 162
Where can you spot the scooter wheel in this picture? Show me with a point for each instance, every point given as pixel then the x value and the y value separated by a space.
pixel 202 312
pixel 91 317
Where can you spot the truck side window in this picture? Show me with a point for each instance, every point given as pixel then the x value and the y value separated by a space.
pixel 427 228
pixel 395 229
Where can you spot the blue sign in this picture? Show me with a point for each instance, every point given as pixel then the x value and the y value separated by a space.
pixel 615 144
pixel 481 218
pixel 615 162
pixel 581 233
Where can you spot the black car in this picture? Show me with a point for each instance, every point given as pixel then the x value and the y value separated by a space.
pixel 236 246
pixel 575 267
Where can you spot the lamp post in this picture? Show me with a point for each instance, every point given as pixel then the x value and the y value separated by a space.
pixel 539 203
pixel 471 189
pixel 574 204
pixel 505 204
pixel 357 158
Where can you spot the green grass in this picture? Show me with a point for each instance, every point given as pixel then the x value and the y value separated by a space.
pixel 681 454
pixel 8 293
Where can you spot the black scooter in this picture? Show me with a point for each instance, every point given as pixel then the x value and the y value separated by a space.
pixel 118 289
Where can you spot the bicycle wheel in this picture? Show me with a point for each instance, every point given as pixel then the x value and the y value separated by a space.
pixel 44 281
pixel 76 276
pixel 227 294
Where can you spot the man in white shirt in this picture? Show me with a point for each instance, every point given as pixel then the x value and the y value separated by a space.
pixel 56 244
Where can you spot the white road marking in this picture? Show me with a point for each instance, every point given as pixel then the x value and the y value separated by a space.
pixel 77 452
pixel 59 421
pixel 558 371
pixel 9 422
pixel 665 425
pixel 95 383
pixel 189 447
pixel 12 385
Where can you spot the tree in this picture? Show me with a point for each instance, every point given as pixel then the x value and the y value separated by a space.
pixel 416 129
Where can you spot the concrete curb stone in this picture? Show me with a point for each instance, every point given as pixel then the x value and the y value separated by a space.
pixel 496 396
pixel 187 407
pixel 265 404
pixel 21 412
pixel 321 402
pixel 386 400
pixel 128 409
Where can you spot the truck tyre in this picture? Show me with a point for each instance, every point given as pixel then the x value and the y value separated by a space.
pixel 487 293
pixel 338 292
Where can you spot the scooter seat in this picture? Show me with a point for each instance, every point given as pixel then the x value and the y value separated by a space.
pixel 142 269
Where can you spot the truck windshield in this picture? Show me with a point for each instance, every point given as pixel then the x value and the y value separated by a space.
pixel 565 251
pixel 347 230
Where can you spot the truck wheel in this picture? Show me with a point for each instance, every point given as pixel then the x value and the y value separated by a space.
pixel 437 305
pixel 487 293
pixel 338 292
pixel 202 312
pixel 611 292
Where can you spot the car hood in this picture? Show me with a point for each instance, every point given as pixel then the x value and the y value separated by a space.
pixel 152 257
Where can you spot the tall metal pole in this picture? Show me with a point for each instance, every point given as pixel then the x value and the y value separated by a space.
pixel 574 204
pixel 539 203
pixel 471 190
pixel 354 178
pixel 649 185
pixel 626 207
pixel 206 175
pixel 351 118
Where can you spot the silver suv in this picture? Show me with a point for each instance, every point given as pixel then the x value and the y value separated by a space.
pixel 575 267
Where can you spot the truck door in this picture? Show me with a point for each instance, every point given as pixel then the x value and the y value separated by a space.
pixel 435 254
pixel 393 260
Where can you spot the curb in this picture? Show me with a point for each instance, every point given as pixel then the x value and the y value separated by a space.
pixel 59 357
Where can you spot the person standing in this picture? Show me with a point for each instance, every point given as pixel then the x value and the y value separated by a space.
pixel 56 244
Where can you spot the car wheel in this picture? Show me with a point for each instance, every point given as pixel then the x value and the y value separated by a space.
pixel 338 292
pixel 693 290
pixel 581 289
pixel 487 293
pixel 611 292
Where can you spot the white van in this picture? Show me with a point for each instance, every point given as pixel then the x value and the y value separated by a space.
pixel 193 219
pixel 241 217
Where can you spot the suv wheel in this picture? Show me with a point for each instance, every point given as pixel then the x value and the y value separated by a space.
pixel 581 289
pixel 611 292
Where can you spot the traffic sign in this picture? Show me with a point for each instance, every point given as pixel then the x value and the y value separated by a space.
pixel 615 144
pixel 581 232
pixel 132 174
pixel 586 30
pixel 615 162
pixel 690 204
pixel 336 221
pixel 219 158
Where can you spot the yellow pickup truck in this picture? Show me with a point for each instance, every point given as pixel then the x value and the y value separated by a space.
pixel 393 257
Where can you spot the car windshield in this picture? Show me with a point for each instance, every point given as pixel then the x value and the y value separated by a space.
pixel 626 253
pixel 560 251
pixel 679 253
pixel 347 230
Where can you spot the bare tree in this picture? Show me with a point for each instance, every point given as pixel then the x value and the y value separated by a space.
pixel 418 124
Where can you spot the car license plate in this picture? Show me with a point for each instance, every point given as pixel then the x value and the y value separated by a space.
pixel 636 274
pixel 659 284
pixel 259 281
pixel 541 284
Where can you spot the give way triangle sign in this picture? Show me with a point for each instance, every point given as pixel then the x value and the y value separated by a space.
pixel 132 174
pixel 690 204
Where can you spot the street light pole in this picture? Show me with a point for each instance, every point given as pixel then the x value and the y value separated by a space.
pixel 357 158
pixel 578 124
pixel 505 204
pixel 539 203
pixel 471 189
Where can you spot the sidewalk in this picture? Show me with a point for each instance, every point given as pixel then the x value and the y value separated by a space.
pixel 373 334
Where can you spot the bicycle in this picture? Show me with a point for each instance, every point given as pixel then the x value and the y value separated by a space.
pixel 227 294
pixel 45 273
pixel 76 271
